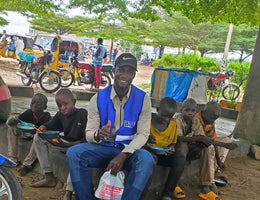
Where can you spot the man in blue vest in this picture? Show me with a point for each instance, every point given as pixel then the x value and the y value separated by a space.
pixel 98 56
pixel 117 129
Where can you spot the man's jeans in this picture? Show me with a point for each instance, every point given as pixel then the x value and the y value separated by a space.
pixel 81 157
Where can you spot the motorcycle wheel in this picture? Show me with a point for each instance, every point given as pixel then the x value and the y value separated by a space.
pixel 50 83
pixel 105 81
pixel 10 188
pixel 231 92
pixel 67 77
pixel 26 81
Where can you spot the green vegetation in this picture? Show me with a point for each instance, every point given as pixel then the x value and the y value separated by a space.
pixel 144 86
pixel 189 61
pixel 205 64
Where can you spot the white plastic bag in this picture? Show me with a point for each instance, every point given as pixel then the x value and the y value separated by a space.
pixel 111 187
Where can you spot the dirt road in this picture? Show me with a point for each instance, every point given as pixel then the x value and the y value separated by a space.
pixel 8 67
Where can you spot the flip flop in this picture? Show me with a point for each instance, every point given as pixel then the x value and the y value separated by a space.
pixel 178 193
pixel 209 196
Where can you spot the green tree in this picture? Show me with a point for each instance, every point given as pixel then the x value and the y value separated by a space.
pixel 236 12
pixel 28 7
pixel 53 24
pixel 243 41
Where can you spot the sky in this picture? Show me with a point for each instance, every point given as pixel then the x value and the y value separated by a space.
pixel 17 23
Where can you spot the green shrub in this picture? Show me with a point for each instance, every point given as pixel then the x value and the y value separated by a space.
pixel 241 72
pixel 189 61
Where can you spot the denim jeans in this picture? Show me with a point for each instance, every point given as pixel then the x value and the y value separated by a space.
pixel 81 157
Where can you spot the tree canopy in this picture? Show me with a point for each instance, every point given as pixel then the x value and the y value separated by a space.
pixel 28 7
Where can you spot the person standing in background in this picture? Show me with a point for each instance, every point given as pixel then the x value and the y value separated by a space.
pixel 19 46
pixel 98 56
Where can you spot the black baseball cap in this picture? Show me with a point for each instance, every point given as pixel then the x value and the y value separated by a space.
pixel 126 59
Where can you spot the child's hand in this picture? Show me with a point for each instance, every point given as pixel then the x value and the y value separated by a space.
pixel 231 145
pixel 171 151
pixel 152 139
pixel 104 132
pixel 12 121
pixel 205 140
pixel 42 128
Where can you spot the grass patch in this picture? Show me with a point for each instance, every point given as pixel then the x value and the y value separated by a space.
pixel 144 86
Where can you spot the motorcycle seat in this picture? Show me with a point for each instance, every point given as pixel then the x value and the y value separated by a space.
pixel 84 65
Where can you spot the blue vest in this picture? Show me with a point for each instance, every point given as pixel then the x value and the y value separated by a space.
pixel 99 55
pixel 132 110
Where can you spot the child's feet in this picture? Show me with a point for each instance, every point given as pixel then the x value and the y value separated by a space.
pixel 24 170
pixel 207 194
pixel 45 183
pixel 49 181
pixel 179 193
pixel 68 195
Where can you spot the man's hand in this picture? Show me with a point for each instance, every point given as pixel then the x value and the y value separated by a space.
pixel 205 140
pixel 116 163
pixel 103 133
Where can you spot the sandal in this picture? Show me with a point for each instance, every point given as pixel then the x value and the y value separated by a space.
pixel 209 196
pixel 178 193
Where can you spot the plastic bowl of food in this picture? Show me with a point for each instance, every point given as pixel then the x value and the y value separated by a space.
pixel 221 182
pixel 28 127
pixel 49 134
pixel 160 150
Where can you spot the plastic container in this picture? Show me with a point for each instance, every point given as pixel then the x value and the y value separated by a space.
pixel 49 134
pixel 160 150
pixel 28 127
pixel 221 182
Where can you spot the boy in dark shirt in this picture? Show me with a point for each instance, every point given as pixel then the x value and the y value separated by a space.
pixel 34 115
pixel 70 120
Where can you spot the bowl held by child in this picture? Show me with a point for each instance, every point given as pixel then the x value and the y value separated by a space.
pixel 159 150
pixel 49 134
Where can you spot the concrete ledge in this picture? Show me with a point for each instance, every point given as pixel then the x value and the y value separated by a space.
pixel 83 95
pixel 21 91
pixel 229 113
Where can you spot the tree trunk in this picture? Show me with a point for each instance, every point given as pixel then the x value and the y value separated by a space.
pixel 241 57
pixel 161 51
pixel 248 126
pixel 111 50
pixel 225 55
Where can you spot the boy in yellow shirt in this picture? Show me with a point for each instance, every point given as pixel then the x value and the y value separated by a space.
pixel 163 132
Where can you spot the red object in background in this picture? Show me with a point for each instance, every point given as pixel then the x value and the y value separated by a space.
pixel 116 51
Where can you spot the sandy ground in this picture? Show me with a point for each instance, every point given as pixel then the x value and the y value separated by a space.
pixel 243 173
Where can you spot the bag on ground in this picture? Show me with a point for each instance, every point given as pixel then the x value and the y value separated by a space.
pixel 110 186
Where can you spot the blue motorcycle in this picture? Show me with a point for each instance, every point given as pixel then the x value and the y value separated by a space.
pixel 10 188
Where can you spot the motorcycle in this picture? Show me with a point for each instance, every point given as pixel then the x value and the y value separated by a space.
pixel 83 73
pixel 10 188
pixel 32 70
pixel 220 81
